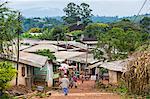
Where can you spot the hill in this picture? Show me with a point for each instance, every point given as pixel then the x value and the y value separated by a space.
pixel 49 22
pixel 46 22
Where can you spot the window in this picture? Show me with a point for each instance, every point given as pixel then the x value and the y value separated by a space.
pixel 23 71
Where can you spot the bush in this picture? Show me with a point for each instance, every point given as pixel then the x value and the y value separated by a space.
pixel 7 73
pixel 35 30
pixel 46 52
pixel 122 89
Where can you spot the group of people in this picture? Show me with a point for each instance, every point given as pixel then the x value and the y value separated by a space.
pixel 70 81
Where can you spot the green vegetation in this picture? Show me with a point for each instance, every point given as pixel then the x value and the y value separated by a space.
pixel 121 39
pixel 8 26
pixel 95 29
pixel 47 53
pixel 35 30
pixel 56 33
pixel 76 34
pixel 46 22
pixel 7 73
pixel 47 35
pixel 145 23
pixel 75 13
pixel 116 39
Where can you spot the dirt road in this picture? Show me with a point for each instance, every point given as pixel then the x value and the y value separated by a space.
pixel 85 91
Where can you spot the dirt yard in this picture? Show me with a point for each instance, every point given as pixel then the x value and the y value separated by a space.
pixel 84 91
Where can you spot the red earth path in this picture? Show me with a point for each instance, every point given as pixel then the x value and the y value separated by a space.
pixel 84 91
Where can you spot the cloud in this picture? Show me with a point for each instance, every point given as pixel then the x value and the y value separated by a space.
pixel 41 12
pixel 99 7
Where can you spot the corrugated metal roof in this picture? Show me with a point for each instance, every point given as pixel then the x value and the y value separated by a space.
pixel 52 48
pixel 33 59
pixel 82 58
pixel 30 59
pixel 74 43
pixel 62 55
pixel 90 42
pixel 95 65
pixel 116 65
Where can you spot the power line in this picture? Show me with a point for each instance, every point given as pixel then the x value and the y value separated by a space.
pixel 140 10
pixel 149 7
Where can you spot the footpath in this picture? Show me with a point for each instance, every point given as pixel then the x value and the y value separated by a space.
pixel 84 91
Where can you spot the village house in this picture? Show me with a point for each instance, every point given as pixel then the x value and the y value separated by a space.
pixel 31 68
pixel 84 61
pixel 115 70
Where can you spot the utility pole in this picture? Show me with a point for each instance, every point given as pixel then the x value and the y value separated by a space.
pixel 86 60
pixel 18 32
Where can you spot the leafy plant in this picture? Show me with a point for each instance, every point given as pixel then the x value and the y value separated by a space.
pixel 46 52
pixel 7 73
pixel 9 26
pixel 35 30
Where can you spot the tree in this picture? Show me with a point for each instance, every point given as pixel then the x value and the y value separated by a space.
pixel 145 24
pixel 95 29
pixel 71 13
pixel 58 33
pixel 85 13
pixel 119 43
pixel 75 13
pixel 77 34
pixel 7 73
pixel 47 53
pixel 126 24
pixel 46 35
pixel 9 26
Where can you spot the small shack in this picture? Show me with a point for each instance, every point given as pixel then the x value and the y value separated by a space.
pixel 115 70
pixel 31 67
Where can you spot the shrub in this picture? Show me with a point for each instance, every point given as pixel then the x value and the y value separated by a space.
pixel 7 73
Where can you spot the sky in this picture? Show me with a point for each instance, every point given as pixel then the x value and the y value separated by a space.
pixel 42 8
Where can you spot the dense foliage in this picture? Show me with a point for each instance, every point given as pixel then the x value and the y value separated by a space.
pixel 121 39
pixel 9 26
pixel 46 22
pixel 95 29
pixel 75 13
pixel 7 73
pixel 35 30
pixel 47 53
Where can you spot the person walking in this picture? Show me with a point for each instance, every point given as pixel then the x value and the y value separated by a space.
pixel 65 84
pixel 82 77
pixel 71 82
pixel 75 81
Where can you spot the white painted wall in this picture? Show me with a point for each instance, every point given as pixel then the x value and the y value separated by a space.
pixel 21 79
pixel 49 74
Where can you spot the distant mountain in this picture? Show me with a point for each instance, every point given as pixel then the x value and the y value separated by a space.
pixel 46 22
pixel 50 22
pixel 138 18
pixel 58 18
pixel 104 19
pixel 41 12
